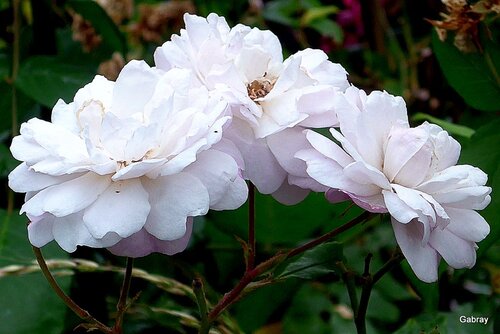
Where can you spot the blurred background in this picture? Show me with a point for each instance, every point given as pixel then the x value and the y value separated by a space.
pixel 443 58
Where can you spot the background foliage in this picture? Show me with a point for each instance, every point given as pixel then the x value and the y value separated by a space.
pixel 54 47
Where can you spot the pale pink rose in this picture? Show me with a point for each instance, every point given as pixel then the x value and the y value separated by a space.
pixel 383 165
pixel 266 94
pixel 126 164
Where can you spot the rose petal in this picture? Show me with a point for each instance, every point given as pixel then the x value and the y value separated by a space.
pixel 467 224
pixel 121 209
pixel 457 252
pixel 173 198
pixel 67 197
pixel 142 243
pixel 423 260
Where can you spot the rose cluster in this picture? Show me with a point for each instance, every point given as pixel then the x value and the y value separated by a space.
pixel 128 164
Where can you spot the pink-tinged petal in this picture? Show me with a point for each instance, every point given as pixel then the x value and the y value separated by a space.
pixel 415 200
pixel 68 197
pixel 122 209
pixel 23 179
pixel 322 169
pixel 40 230
pixel 423 260
pixel 70 232
pixel 285 144
pixel 402 147
pixel 398 209
pixel 374 203
pixel 183 159
pixel 349 149
pixel 282 109
pixel 290 194
pixel 228 147
pixel 315 62
pixel 261 167
pixel 134 88
pixel 318 103
pixel 336 196
pixel 453 177
pixel 457 252
pixel 307 182
pixel 476 198
pixel 467 224
pixel 328 148
pixel 446 148
pixel 142 243
pixel 219 174
pixel 173 198
pixel 363 173
pixel 383 111
pixel 235 196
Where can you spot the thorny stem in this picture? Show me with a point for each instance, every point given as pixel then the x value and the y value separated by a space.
pixel 250 274
pixel 251 226
pixel 369 282
pixel 121 306
pixel 325 237
pixel 83 314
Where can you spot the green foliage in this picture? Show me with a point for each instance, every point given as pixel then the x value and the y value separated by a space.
pixel 47 79
pixel 475 76
pixel 308 295
pixel 305 14
pixel 315 263
pixel 28 303
pixel 451 128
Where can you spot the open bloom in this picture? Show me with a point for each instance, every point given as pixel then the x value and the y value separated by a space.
pixel 126 164
pixel 266 95
pixel 383 165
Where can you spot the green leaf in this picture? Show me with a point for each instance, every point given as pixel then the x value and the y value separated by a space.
pixel 28 303
pixel 280 224
pixel 317 13
pixel 102 23
pixel 7 162
pixel 474 76
pixel 327 27
pixel 310 312
pixel 281 11
pixel 316 262
pixel 451 128
pixel 482 151
pixel 255 309
pixel 46 79
pixel 424 324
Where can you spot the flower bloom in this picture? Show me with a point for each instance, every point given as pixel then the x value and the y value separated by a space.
pixel 268 97
pixel 383 165
pixel 127 164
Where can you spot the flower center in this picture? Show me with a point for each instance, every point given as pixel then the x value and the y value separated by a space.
pixel 260 87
